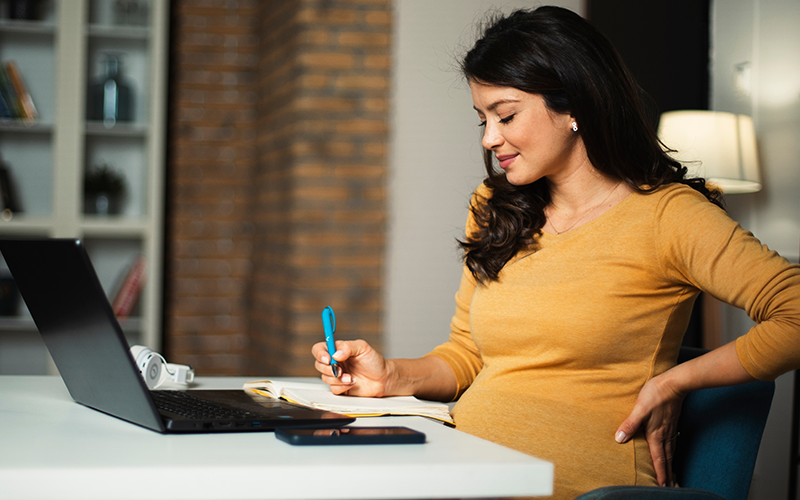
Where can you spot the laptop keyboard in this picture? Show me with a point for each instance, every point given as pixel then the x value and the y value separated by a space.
pixel 186 405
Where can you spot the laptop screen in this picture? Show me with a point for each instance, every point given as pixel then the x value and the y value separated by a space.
pixel 79 328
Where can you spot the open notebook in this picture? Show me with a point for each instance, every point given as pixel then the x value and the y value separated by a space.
pixel 319 396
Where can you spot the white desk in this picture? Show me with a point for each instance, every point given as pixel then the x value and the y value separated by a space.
pixel 54 448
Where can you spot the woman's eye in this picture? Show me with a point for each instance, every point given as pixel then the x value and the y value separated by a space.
pixel 507 119
pixel 482 124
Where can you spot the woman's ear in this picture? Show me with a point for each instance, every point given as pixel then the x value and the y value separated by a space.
pixel 572 122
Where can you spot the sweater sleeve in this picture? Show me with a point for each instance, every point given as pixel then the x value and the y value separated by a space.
pixel 700 245
pixel 460 351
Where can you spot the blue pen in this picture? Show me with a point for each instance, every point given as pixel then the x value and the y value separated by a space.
pixel 329 324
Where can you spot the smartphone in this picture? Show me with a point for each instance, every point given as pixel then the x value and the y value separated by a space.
pixel 350 435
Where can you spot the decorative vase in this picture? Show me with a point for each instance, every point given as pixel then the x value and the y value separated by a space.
pixel 102 203
pixel 110 98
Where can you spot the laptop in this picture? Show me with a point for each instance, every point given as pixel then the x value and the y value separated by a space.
pixel 60 287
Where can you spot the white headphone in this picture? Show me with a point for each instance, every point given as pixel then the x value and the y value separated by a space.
pixel 155 370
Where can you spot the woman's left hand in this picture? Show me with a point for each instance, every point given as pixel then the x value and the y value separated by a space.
pixel 656 411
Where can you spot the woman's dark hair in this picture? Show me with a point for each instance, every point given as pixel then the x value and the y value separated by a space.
pixel 553 52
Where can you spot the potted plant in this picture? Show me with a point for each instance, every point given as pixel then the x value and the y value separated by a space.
pixel 103 190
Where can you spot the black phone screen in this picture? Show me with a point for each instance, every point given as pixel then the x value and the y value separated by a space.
pixel 350 435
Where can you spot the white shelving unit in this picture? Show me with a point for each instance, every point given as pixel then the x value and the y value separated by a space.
pixel 60 55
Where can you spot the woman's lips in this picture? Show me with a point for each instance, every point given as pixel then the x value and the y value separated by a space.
pixel 506 160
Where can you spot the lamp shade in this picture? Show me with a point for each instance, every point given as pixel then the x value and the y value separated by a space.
pixel 718 146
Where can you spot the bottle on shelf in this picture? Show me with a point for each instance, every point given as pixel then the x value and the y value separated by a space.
pixel 131 12
pixel 26 10
pixel 111 98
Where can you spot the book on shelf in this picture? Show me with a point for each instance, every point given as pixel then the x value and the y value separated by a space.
pixel 131 288
pixel 26 105
pixel 8 190
pixel 319 396
pixel 16 99
pixel 5 109
pixel 8 93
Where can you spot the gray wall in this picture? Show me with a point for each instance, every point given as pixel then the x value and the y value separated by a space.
pixel 762 39
pixel 435 164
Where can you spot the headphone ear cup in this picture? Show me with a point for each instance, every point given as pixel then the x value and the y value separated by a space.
pixel 135 350
pixel 149 364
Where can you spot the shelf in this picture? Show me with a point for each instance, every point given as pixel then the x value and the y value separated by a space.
pixel 27 27
pixel 60 58
pixel 25 127
pixel 25 225
pixel 118 32
pixel 131 325
pixel 99 129
pixel 113 226
pixel 17 324
pixel 26 324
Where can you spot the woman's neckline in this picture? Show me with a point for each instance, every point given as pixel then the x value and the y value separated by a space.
pixel 589 222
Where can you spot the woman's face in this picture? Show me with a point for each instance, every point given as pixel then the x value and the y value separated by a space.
pixel 528 140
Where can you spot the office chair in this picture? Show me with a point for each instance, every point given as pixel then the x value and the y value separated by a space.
pixel 720 432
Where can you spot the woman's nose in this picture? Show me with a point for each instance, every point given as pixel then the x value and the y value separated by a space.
pixel 491 137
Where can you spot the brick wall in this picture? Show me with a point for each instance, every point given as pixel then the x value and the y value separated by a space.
pixel 276 179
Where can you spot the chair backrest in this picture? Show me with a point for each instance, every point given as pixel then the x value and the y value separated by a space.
pixel 720 433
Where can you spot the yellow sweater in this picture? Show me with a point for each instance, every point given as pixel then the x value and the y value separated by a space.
pixel 550 358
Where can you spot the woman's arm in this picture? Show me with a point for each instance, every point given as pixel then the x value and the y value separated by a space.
pixel 367 373
pixel 700 246
pixel 718 368
pixel 428 377
pixel 659 402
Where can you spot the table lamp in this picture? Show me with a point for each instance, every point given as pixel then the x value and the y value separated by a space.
pixel 718 146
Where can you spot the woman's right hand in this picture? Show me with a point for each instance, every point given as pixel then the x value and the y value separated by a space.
pixel 364 372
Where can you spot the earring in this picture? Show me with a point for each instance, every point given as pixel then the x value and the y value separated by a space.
pixel 574 127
